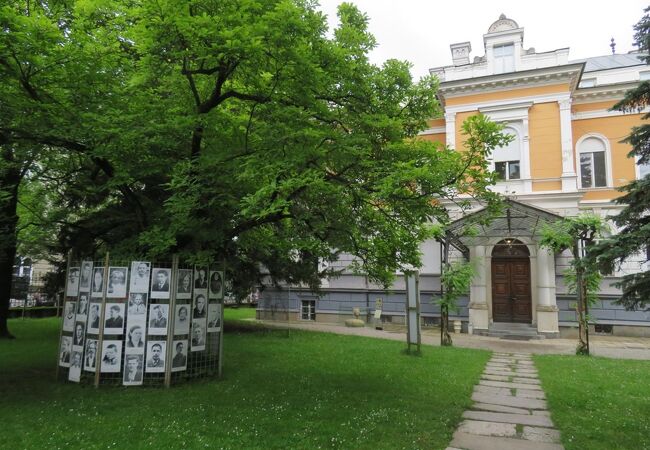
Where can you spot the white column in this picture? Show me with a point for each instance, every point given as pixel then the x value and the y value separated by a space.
pixel 525 157
pixel 547 311
pixel 450 129
pixel 478 307
pixel 569 178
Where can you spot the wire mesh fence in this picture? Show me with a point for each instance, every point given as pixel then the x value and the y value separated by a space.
pixel 135 323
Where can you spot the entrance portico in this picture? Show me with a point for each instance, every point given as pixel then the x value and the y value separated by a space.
pixel 515 277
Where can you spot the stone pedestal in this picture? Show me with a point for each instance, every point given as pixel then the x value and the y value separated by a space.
pixel 479 316
pixel 547 310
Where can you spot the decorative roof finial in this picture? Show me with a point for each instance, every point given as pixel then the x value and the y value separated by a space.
pixel 502 16
pixel 613 45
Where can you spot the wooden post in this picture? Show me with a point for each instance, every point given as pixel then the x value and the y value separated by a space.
pixel 100 336
pixel 173 281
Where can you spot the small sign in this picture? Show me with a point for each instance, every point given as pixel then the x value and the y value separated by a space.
pixel 377 313
pixel 379 303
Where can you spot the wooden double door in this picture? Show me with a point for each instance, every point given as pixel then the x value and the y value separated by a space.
pixel 511 299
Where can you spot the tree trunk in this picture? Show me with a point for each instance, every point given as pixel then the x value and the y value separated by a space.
pixel 9 181
pixel 445 338
pixel 583 330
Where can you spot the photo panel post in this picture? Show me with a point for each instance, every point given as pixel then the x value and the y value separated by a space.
pixel 184 285
pixel 158 315
pixel 65 351
pixel 133 369
pixel 90 357
pixel 114 319
pixel 199 327
pixel 140 277
pixel 72 288
pixel 182 320
pixel 156 351
pixel 179 360
pixel 74 374
pixel 216 285
pixel 214 317
pixel 85 276
pixel 160 283
pixel 97 290
pixel 117 277
pixel 111 356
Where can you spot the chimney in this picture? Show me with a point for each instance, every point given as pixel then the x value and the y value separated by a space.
pixel 460 53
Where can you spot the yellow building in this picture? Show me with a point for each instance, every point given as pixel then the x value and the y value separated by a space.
pixel 566 157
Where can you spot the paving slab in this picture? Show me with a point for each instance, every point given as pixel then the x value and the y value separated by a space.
pixel 529 393
pixel 488 428
pixel 524 380
pixel 496 377
pixel 541 434
pixel 517 402
pixel 473 442
pixel 500 408
pixel 521 419
pixel 510 385
pixel 507 372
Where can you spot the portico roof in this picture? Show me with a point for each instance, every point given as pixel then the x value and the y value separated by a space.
pixel 516 220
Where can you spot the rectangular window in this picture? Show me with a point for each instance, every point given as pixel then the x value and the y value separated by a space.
pixel 588 82
pixel 593 172
pixel 644 169
pixel 308 310
pixel 504 58
pixel 507 170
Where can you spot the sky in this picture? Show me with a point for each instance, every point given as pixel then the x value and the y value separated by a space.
pixel 420 31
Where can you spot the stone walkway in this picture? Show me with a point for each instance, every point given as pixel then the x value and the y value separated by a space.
pixel 509 411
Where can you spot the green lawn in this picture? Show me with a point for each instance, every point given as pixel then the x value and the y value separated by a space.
pixel 598 403
pixel 279 390
pixel 241 313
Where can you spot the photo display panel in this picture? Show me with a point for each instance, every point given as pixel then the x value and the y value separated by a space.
pixel 156 351
pixel 117 277
pixel 111 352
pixel 97 289
pixel 184 284
pixel 160 283
pixel 140 276
pixel 85 276
pixel 216 285
pixel 179 360
pixel 72 289
pixel 90 358
pixel 114 318
pixel 198 334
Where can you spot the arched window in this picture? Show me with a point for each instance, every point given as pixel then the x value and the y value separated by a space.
pixel 593 161
pixel 507 159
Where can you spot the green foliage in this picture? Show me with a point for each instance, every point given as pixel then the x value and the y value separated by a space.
pixel 633 221
pixel 456 280
pixel 306 390
pixel 236 130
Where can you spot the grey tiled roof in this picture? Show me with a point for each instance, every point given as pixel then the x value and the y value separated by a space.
pixel 611 61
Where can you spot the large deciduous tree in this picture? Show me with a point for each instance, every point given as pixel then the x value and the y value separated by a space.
pixel 234 130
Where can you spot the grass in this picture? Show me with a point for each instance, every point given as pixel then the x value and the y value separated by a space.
pixel 279 390
pixel 241 313
pixel 598 403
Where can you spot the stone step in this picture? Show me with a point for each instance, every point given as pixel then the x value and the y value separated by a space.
pixel 474 442
pixel 499 408
pixel 509 385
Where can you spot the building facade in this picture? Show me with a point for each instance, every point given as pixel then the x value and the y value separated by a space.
pixel 566 158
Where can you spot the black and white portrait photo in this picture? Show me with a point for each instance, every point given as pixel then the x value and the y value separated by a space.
pixel 116 282
pixel 158 315
pixel 72 290
pixel 85 276
pixel 114 318
pixel 140 273
pixel 156 356
pixel 182 320
pixel 79 334
pixel 198 335
pixel 133 365
pixel 137 304
pixel 82 305
pixel 160 283
pixel 135 337
pixel 65 351
pixel 111 354
pixel 75 366
pixel 200 277
pixel 184 287
pixel 93 318
pixel 216 285
pixel 90 358
pixel 68 316
pixel 200 309
pixel 179 360
pixel 98 283
pixel 214 317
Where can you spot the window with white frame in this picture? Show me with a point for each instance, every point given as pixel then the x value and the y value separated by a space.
pixel 507 159
pixel 592 156
pixel 504 58
pixel 642 169
pixel 308 310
